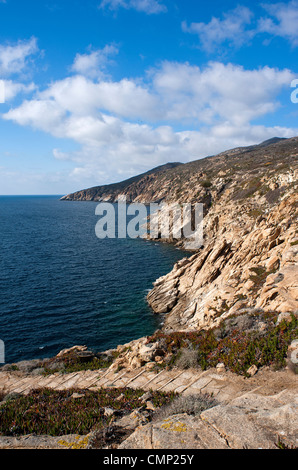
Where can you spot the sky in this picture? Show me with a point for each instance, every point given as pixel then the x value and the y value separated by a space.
pixel 96 91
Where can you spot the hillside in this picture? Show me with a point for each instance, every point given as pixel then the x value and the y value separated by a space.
pixel 111 191
pixel 202 180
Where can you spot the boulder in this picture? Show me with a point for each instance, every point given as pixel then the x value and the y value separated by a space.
pixel 251 421
pixel 175 432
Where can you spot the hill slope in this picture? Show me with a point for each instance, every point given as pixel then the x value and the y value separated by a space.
pixel 111 191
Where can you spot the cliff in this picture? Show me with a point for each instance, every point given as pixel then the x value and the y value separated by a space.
pixel 228 344
pixel 249 254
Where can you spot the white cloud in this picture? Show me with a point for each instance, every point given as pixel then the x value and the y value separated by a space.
pixel 125 127
pixel 15 58
pixel 232 29
pixel 12 89
pixel 147 6
pixel 94 64
pixel 237 27
pixel 285 22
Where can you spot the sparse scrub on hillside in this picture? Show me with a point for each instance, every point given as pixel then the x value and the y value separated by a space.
pixel 189 404
pixel 57 413
pixel 238 349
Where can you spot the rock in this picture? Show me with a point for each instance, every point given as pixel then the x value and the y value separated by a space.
pixel 148 352
pixel 292 356
pixel 255 421
pixel 287 316
pixel 150 365
pixel 175 432
pixel 133 420
pixel 273 263
pixel 56 365
pixel 150 406
pixel 73 441
pixel 136 363
pixel 38 371
pixel 146 396
pixel 108 412
pixel 251 421
pixel 74 349
pixel 26 366
pixel 234 270
pixel 158 359
pixel 77 395
pixel 221 367
pixel 252 370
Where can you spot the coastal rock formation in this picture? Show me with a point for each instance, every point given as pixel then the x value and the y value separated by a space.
pixel 249 255
pixel 251 422
pixel 245 266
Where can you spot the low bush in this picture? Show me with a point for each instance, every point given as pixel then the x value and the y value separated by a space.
pixel 57 413
pixel 187 359
pixel 238 349
pixel 189 404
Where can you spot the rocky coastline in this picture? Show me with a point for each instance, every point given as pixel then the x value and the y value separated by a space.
pixel 230 311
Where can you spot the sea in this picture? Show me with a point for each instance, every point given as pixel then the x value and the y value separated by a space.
pixel 60 285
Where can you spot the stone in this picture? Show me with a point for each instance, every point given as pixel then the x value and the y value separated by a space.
pixel 150 406
pixel 136 363
pixel 77 395
pixel 287 316
pixel 71 441
pixel 73 349
pixel 158 359
pixel 292 356
pixel 150 365
pixel 254 421
pixel 132 420
pixel 108 412
pixel 146 396
pixel 252 370
pixel 221 367
pixel 175 432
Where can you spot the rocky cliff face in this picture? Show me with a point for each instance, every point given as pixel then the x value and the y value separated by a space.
pixel 249 254
pixel 249 258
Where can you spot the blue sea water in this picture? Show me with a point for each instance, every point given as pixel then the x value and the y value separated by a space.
pixel 60 285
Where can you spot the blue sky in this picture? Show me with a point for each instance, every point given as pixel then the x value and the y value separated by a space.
pixel 100 90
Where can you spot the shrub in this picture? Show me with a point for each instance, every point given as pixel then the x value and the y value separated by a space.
pixel 190 404
pixel 238 349
pixel 206 183
pixel 187 359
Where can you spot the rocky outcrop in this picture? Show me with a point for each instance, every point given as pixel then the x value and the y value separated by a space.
pixel 248 264
pixel 249 422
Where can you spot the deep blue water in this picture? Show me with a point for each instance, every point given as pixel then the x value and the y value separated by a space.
pixel 60 285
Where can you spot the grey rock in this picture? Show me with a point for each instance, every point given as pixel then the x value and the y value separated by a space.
pixel 254 421
pixel 175 432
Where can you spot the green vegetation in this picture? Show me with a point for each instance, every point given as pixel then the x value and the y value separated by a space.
pixel 56 413
pixel 74 363
pixel 260 276
pixel 206 183
pixel 237 349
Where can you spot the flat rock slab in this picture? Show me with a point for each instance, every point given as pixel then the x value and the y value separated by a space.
pixel 72 441
pixel 176 432
pixel 254 421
